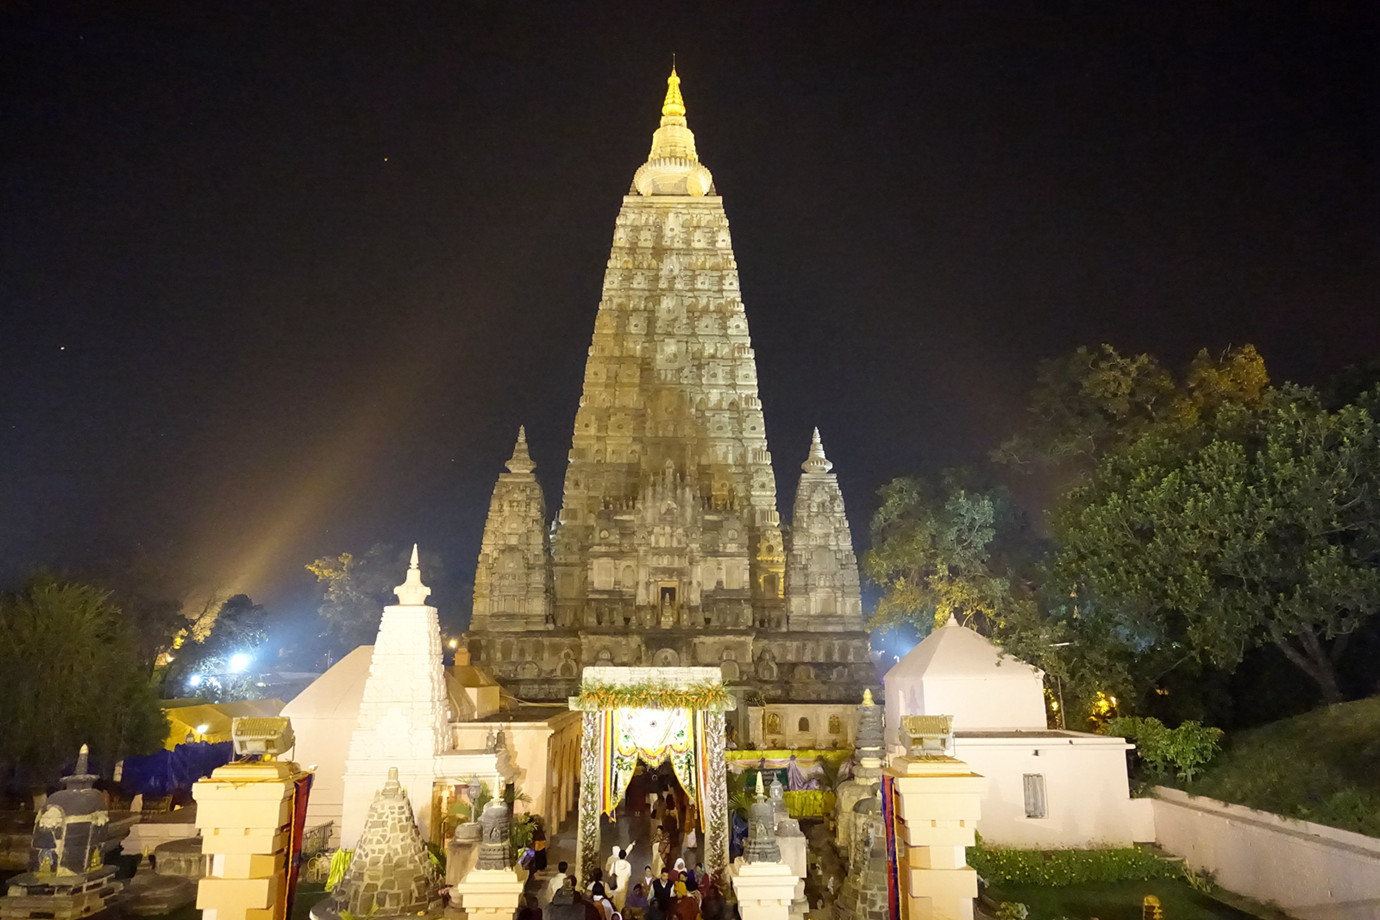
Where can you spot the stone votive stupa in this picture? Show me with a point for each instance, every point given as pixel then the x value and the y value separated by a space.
pixel 67 875
pixel 391 873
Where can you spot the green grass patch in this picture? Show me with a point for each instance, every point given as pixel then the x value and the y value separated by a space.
pixel 1322 766
pixel 1001 866
pixel 1116 901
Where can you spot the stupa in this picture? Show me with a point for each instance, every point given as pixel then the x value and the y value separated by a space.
pixel 668 549
pixel 390 874
pixel 67 875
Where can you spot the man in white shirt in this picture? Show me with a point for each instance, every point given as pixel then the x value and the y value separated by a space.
pixel 557 880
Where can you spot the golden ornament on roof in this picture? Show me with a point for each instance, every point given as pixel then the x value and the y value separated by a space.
pixel 674 104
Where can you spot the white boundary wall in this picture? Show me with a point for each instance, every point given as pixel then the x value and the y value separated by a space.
pixel 1311 871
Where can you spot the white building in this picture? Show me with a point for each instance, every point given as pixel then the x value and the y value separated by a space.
pixel 1045 787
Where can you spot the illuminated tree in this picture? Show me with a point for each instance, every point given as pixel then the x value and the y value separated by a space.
pixel 355 589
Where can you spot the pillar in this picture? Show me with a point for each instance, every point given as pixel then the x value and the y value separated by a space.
pixel 765 890
pixel 489 894
pixel 936 804
pixel 244 814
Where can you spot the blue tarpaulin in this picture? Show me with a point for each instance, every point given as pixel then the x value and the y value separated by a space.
pixel 166 772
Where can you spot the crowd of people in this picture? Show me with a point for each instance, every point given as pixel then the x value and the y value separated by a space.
pixel 666 889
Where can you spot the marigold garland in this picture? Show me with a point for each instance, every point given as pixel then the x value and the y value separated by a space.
pixel 649 695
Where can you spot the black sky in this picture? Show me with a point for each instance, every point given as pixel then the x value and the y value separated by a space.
pixel 282 279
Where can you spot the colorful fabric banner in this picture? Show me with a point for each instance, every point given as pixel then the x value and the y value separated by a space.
pixel 650 735
pixel 893 875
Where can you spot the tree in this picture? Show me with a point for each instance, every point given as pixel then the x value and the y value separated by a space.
pixel 223 664
pixel 1246 527
pixel 946 551
pixel 71 659
pixel 355 589
pixel 1093 402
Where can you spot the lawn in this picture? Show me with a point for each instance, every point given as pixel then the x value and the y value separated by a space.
pixel 1117 901
pixel 1322 766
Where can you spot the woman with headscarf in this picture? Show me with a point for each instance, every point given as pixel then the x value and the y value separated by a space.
pixel 678 872
pixel 685 906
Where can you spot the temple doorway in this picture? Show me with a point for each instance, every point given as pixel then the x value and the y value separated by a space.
pixel 652 731
pixel 655 807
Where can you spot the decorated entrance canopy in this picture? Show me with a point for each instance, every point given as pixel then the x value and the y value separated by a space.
pixel 653 715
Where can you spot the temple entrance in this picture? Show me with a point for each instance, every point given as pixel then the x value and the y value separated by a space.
pixel 654 809
pixel 652 731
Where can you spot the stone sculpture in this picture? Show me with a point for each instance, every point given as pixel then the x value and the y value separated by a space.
pixel 67 876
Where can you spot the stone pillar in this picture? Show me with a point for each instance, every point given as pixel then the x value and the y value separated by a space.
pixel 244 814
pixel 765 890
pixel 936 803
pixel 493 889
pixel 591 775
pixel 715 804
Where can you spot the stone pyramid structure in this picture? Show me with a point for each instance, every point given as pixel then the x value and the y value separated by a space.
pixel 391 873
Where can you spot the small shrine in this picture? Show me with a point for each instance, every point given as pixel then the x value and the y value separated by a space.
pixel 391 873
pixel 67 876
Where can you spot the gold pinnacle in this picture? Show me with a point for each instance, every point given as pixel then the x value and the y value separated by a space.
pixel 674 104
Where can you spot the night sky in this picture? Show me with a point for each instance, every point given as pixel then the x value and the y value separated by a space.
pixel 282 279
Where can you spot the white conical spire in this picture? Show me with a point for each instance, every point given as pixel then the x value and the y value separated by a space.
pixel 816 462
pixel 521 461
pixel 412 593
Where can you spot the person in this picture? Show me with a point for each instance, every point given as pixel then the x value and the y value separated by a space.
pixel 712 903
pixel 661 849
pixel 530 910
pixel 648 876
pixel 539 845
pixel 661 892
pixel 692 878
pixel 686 906
pixel 687 847
pixel 635 904
pixel 620 876
pixel 553 886
pixel 677 871
pixel 600 899
pixel 565 903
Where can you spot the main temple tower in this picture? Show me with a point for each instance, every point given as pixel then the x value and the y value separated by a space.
pixel 668 548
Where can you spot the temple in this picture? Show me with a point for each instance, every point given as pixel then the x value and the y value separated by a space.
pixel 669 549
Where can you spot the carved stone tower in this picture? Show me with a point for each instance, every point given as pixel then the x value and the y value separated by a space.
pixel 668 548
pixel 512 584
pixel 822 590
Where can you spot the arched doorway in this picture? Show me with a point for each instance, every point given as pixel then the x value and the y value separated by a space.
pixel 653 716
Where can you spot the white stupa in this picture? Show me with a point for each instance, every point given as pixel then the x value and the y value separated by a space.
pixel 957 672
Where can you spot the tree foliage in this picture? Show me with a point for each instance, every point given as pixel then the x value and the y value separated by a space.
pixel 356 588
pixel 1250 526
pixel 238 627
pixel 73 661
pixel 1183 751
pixel 1091 403
pixel 932 554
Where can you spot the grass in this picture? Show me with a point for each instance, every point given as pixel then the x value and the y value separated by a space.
pixel 1322 766
pixel 1117 901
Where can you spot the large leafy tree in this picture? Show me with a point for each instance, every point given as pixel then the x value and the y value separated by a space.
pixel 356 588
pixel 74 668
pixel 1247 526
pixel 211 664
pixel 942 551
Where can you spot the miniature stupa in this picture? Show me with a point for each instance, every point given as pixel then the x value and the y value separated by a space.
pixel 391 873
pixel 67 875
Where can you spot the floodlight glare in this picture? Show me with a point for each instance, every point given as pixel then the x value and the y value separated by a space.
pixel 238 662
pixel 194 680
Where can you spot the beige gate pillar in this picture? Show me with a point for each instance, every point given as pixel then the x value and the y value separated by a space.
pixel 936 801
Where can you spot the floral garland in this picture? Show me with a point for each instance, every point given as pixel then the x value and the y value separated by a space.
pixel 706 695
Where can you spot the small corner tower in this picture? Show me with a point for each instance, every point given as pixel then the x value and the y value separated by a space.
pixel 512 583
pixel 822 589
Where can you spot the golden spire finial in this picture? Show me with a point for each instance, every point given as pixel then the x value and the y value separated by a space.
pixel 674 104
